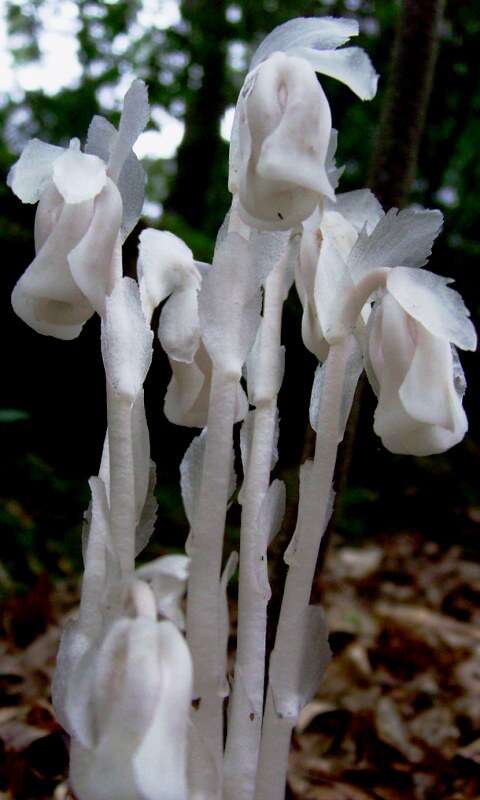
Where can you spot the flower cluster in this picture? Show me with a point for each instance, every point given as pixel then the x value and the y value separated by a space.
pixel 126 674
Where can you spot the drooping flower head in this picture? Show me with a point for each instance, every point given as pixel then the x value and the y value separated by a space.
pixel 88 202
pixel 282 125
pixel 412 329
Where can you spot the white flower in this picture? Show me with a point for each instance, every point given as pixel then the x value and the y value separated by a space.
pixel 84 212
pixel 136 688
pixel 282 124
pixel 412 362
pixel 166 269
pixel 354 254
pixel 322 276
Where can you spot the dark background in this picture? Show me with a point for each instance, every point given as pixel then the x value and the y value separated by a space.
pixel 53 418
pixel 397 716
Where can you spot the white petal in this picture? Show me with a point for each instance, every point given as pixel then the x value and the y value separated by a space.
pixel 179 328
pixel 78 176
pixel 401 238
pixel 361 208
pixel 30 175
pixel 159 764
pixel 94 265
pixel 428 299
pixel 334 173
pixel 46 297
pixel 320 33
pixel 126 340
pixel 351 66
pixel 288 120
pixel 47 317
pixel 135 114
pixel 186 400
pixel 427 393
pixel 165 264
pixel 168 577
pixel 48 213
pixel 131 185
pixel 101 139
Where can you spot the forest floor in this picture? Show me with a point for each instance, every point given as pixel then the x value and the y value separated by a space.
pixel 398 713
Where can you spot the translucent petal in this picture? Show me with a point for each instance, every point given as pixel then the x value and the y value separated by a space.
pixel 47 317
pixel 401 238
pixel 350 66
pixel 179 328
pixel 30 175
pixel 100 138
pixel 46 297
pixel 186 400
pixel 159 764
pixel 360 208
pixel 168 577
pixel 428 299
pixel 131 185
pixel 78 176
pixel 131 182
pixel 399 430
pixel 165 264
pixel 288 121
pixel 126 340
pixel 320 33
pixel 48 213
pixel 427 392
pixel 135 114
pixel 94 264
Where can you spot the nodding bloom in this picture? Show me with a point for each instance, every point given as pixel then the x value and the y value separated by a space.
pixel 409 336
pixel 167 269
pixel 88 202
pixel 412 363
pixel 283 122
pixel 123 680
pixel 130 740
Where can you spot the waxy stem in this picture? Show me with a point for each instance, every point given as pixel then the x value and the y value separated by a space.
pixel 122 479
pixel 246 702
pixel 277 729
pixel 203 619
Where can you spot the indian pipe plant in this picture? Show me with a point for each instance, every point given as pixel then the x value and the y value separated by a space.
pixel 141 688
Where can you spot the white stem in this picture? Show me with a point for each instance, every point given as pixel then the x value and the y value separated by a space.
pixel 277 730
pixel 122 479
pixel 203 621
pixel 246 702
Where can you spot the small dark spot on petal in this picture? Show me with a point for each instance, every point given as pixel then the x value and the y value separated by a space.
pixel 252 716
pixel 279 215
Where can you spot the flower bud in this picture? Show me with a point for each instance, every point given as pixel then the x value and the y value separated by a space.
pixel 283 130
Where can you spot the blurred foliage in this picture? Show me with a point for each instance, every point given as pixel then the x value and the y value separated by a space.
pixel 194 69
